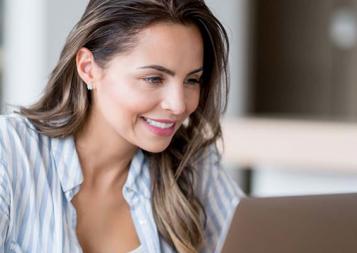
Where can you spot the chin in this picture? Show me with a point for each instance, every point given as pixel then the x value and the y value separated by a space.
pixel 155 148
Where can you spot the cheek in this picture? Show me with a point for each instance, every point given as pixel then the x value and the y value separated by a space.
pixel 125 101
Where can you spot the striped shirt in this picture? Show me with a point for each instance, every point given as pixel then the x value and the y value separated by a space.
pixel 39 176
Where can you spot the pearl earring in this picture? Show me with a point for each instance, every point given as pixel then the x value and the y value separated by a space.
pixel 89 86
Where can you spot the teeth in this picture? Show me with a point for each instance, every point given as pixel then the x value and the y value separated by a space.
pixel 158 124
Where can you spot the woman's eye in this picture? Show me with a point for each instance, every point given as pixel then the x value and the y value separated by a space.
pixel 153 79
pixel 193 81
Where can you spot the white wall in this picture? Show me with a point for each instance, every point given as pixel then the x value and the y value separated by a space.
pixel 234 14
pixel 24 55
pixel 60 20
pixel 35 32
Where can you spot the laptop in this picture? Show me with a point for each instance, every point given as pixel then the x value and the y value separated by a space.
pixel 296 224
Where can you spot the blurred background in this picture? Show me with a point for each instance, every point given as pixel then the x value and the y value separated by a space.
pixel 291 124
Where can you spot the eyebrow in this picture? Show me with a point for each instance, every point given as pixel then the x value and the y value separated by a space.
pixel 168 71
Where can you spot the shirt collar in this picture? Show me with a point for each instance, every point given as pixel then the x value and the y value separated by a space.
pixel 70 173
pixel 138 179
pixel 67 164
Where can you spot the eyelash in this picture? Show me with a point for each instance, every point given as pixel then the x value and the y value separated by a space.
pixel 153 80
pixel 156 80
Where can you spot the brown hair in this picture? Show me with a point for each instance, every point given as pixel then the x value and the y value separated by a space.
pixel 107 28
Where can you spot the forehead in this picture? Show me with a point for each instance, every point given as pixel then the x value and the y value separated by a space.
pixel 175 46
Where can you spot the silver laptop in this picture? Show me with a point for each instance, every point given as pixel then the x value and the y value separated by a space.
pixel 300 224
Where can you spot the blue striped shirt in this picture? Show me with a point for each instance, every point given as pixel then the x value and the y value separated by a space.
pixel 39 176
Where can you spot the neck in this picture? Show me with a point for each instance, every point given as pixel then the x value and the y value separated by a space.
pixel 104 155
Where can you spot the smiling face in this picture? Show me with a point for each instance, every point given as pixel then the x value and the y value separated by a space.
pixel 144 95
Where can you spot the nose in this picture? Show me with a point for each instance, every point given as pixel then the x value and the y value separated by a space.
pixel 174 99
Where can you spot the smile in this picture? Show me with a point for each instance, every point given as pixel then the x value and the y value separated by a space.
pixel 159 124
pixel 158 128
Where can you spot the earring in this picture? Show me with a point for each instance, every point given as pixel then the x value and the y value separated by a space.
pixel 89 86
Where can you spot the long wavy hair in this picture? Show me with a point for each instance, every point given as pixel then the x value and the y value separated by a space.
pixel 108 28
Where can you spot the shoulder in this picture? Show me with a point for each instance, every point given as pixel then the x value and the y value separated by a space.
pixel 15 122
pixel 218 193
pixel 15 132
pixel 23 150
pixel 211 179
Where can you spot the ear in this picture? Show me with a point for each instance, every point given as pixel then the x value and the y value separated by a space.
pixel 86 67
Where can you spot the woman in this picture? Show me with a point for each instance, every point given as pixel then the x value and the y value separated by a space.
pixel 119 153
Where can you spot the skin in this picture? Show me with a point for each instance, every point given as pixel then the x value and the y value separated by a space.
pixel 157 79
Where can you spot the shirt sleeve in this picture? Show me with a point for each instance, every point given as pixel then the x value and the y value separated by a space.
pixel 219 194
pixel 4 206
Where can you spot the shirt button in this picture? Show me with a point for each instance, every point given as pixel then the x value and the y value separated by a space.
pixel 142 222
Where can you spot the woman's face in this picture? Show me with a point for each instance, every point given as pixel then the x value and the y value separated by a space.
pixel 144 95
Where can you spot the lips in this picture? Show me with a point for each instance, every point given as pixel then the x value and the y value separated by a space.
pixel 161 127
pixel 159 124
